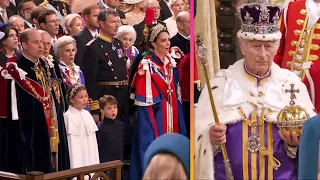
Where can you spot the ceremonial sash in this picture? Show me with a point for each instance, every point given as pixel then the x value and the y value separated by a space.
pixel 162 87
pixel 34 89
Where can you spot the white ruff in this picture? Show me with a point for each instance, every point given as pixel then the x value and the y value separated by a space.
pixel 234 90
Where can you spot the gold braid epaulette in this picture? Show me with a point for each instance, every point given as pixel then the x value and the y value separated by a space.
pixel 198 83
pixel 93 105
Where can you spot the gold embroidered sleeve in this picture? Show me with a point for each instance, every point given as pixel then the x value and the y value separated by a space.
pixel 93 105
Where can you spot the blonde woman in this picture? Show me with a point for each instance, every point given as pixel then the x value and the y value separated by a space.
pixel 176 7
pixel 73 24
pixel 167 158
pixel 134 11
pixel 65 49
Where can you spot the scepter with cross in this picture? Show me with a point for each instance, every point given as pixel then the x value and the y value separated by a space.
pixel 292 92
pixel 202 54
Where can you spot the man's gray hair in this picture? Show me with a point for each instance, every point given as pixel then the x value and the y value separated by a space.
pixel 14 17
pixel 126 29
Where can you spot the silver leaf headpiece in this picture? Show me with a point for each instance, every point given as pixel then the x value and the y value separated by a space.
pixel 156 30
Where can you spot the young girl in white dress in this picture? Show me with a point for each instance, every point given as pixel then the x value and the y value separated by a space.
pixel 81 129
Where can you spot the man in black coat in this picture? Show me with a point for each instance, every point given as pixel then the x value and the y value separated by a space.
pixel 5 12
pixel 89 14
pixel 28 140
pixel 14 6
pixel 182 38
pixel 104 66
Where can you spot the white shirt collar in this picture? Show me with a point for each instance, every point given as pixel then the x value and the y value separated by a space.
pixel 94 33
pixel 188 38
pixel 53 40
pixel 2 9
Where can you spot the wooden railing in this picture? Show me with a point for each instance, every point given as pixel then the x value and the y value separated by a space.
pixel 94 172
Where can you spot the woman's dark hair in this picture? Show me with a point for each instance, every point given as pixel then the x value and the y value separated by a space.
pixel 148 43
pixel 73 90
pixel 5 28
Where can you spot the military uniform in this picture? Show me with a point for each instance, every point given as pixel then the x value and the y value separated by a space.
pixel 104 68
pixel 299 46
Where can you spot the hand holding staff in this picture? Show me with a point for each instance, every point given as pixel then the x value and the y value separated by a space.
pixel 202 54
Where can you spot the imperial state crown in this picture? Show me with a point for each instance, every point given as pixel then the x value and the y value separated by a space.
pixel 259 21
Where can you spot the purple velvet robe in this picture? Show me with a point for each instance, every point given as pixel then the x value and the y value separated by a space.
pixel 235 150
pixel 242 161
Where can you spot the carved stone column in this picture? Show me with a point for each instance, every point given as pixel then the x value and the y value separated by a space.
pixel 226 21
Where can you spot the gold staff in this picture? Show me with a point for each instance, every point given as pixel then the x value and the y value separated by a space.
pixel 202 54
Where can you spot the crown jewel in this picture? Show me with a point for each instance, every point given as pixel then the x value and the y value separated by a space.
pixel 259 18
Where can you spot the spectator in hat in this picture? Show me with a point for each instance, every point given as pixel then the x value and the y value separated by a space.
pixel 133 11
pixel 73 24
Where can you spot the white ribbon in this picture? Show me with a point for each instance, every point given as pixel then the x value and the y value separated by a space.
pixel 14 106
pixel 145 66
pixel 6 75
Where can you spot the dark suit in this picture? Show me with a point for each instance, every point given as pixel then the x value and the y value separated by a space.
pixel 53 54
pixel 26 26
pixel 165 12
pixel 9 14
pixel 14 8
pixel 82 38
pixel 110 142
pixel 181 42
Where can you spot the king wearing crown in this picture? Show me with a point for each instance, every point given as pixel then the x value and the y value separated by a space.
pixel 300 43
pixel 252 128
